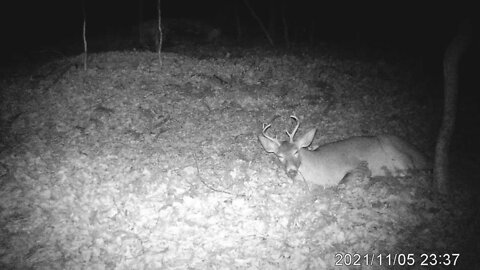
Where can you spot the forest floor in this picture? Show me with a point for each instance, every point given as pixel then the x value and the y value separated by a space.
pixel 136 165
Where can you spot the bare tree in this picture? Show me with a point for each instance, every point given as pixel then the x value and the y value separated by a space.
pixel 159 39
pixel 262 26
pixel 272 18
pixel 285 24
pixel 141 35
pixel 237 20
pixel 84 35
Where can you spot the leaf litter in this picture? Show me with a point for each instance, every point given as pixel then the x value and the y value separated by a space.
pixel 130 165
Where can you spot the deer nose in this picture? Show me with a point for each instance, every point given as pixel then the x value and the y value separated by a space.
pixel 292 173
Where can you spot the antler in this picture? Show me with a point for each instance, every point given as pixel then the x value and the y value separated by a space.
pixel 264 129
pixel 291 135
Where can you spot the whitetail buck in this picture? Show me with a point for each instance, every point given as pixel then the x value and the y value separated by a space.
pixel 329 164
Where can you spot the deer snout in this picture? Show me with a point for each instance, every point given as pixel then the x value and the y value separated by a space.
pixel 292 173
pixel 291 170
pixel 291 166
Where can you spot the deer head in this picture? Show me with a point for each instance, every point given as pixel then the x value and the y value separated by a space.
pixel 288 152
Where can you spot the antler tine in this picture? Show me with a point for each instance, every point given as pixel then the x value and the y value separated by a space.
pixel 264 132
pixel 291 135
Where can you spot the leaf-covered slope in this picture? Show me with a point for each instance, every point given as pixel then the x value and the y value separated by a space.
pixel 130 165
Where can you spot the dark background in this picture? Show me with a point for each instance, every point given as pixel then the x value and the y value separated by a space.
pixel 423 27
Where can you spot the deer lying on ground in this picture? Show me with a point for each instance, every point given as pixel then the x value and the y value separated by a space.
pixel 332 163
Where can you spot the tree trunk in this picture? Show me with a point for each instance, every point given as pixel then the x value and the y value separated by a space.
pixel 237 21
pixel 260 23
pixel 141 35
pixel 451 63
pixel 272 18
pixel 285 24
pixel 159 37
pixel 84 35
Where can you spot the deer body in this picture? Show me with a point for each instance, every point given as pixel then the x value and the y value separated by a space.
pixel 383 155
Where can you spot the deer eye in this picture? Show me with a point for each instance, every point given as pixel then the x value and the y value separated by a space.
pixel 295 154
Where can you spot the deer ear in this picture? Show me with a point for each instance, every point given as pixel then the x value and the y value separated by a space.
pixel 306 139
pixel 269 145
